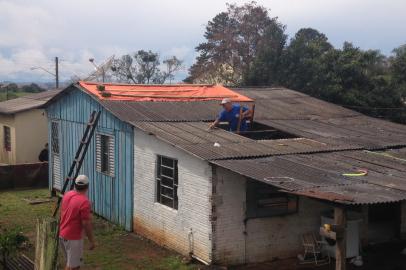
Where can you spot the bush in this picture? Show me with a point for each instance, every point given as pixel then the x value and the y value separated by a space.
pixel 11 242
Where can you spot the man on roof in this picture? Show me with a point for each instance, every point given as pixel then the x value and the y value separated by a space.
pixel 235 114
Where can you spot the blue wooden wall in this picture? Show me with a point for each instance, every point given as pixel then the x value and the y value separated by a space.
pixel 112 197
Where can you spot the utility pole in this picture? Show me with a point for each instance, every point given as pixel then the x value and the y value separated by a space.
pixel 56 72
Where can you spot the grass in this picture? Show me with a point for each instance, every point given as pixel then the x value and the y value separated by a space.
pixel 12 95
pixel 116 248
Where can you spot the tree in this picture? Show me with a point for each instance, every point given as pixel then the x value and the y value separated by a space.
pixel 32 88
pixel 233 39
pixel 144 67
pixel 172 65
pixel 302 67
pixel 398 69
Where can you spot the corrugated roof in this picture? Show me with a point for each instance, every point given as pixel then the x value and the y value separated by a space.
pixel 360 131
pixel 271 104
pixel 310 166
pixel 197 139
pixel 27 102
pixel 320 175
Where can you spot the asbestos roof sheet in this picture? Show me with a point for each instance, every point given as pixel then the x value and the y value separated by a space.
pixel 322 175
pixel 197 139
pixel 283 109
pixel 27 102
pixel 282 103
pixel 361 131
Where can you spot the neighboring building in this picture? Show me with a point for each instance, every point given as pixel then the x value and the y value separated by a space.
pixel 23 128
pixel 232 198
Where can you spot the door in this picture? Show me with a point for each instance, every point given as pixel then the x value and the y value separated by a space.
pixel 56 155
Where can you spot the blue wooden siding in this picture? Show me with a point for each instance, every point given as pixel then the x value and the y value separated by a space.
pixel 112 197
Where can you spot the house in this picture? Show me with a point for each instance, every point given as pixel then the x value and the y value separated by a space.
pixel 227 198
pixel 23 128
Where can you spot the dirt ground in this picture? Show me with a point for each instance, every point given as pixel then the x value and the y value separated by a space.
pixel 118 249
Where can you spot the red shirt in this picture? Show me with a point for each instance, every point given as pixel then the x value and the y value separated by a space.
pixel 75 209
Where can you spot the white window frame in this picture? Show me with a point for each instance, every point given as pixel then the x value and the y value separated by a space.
pixel 7 145
pixel 110 154
pixel 174 179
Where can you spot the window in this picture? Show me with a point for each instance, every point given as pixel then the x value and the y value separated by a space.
pixel 265 201
pixel 55 137
pixel 7 138
pixel 167 181
pixel 105 154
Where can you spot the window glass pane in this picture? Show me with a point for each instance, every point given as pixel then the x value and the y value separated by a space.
pixel 167 201
pixel 166 181
pixel 104 145
pixel 158 191
pixel 175 177
pixel 7 138
pixel 167 172
pixel 55 137
pixel 166 191
pixel 167 162
pixel 175 194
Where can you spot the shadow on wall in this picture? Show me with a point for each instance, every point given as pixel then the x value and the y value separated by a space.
pixel 30 175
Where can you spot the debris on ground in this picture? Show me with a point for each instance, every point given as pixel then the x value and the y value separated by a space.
pixel 37 201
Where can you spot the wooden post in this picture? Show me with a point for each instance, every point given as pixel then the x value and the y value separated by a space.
pixel 252 116
pixel 46 248
pixel 239 120
pixel 340 221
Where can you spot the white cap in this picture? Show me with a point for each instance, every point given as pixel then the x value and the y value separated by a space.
pixel 225 101
pixel 82 180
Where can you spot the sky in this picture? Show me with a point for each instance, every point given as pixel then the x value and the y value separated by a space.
pixel 32 33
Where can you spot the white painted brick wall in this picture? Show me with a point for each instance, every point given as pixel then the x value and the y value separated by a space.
pixel 265 238
pixel 166 226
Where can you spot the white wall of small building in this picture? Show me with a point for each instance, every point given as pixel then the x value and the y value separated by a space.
pixel 260 239
pixel 31 135
pixel 184 229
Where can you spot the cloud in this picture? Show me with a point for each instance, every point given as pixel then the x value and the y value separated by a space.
pixel 32 33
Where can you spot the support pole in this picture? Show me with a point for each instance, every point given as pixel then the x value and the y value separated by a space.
pixel 56 72
pixel 340 221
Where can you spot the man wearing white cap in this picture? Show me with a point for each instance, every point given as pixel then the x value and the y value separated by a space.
pixel 76 221
pixel 231 114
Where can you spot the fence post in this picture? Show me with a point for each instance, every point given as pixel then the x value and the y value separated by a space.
pixel 46 249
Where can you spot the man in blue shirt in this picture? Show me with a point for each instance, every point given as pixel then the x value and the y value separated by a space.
pixel 231 114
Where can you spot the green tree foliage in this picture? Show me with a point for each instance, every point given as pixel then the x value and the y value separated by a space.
pixel 233 40
pixel 245 46
pixel 12 90
pixel 144 67
pixel 11 241
pixel 32 88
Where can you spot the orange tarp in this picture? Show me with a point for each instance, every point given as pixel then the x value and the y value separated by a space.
pixel 164 92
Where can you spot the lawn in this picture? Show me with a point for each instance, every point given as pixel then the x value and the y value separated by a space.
pixel 116 248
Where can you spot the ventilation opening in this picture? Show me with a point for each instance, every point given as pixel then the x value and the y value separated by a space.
pixel 260 131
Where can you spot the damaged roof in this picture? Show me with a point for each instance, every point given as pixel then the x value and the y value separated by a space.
pixel 331 143
pixel 196 138
pixel 330 176
pixel 28 102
